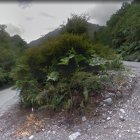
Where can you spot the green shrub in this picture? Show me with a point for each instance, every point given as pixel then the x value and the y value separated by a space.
pixel 44 59
pixel 4 78
pixel 81 80
pixel 104 51
pixel 11 49
pixel 76 24
pixel 61 73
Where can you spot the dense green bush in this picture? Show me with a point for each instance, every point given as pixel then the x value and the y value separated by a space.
pixel 62 72
pixel 104 51
pixel 44 59
pixel 4 78
pixel 76 24
pixel 11 49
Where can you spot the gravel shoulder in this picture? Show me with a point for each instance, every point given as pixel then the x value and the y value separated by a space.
pixel 120 121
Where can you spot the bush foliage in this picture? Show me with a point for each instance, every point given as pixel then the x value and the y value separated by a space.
pixel 62 72
pixel 11 49
pixel 76 24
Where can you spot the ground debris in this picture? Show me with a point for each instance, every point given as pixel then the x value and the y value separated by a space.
pixel 32 124
pixel 74 135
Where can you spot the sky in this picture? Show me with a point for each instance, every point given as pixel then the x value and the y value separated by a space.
pixel 35 19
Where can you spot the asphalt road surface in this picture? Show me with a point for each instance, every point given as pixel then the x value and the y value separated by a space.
pixel 8 97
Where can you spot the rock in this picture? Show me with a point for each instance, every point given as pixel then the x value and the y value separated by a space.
pixel 74 135
pixel 101 104
pixel 9 115
pixel 108 118
pixel 79 130
pixel 120 135
pixel 108 101
pixel 122 111
pixel 139 112
pixel 122 118
pixel 128 131
pixel 119 94
pixel 31 137
pixel 110 112
pixel 84 118
pixel 104 116
pixel 103 121
pixel 133 130
pixel 126 94
pixel 108 95
pixel 32 109
pixel 1 115
pixel 105 127
pixel 53 132
pixel 89 126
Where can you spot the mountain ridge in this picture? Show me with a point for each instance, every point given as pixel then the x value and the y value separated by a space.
pixel 56 32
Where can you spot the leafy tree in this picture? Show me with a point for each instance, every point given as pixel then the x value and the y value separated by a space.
pixel 76 24
pixel 11 50
pixel 122 32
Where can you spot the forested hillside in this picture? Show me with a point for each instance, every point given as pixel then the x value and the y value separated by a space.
pixel 11 49
pixel 122 32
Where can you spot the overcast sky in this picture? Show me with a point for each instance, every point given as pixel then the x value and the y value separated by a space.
pixel 32 20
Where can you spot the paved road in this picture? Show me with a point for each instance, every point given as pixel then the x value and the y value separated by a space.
pixel 135 66
pixel 8 97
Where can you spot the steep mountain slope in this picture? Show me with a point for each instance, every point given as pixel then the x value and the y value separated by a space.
pixel 91 29
pixel 123 32
pixel 54 33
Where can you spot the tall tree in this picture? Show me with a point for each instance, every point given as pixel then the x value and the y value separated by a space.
pixel 76 24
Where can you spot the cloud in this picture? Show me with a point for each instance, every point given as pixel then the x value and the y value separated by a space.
pixel 24 3
pixel 102 12
pixel 50 28
pixel 12 29
pixel 46 15
pixel 28 18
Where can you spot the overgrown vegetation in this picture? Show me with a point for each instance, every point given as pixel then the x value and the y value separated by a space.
pixel 76 25
pixel 64 72
pixel 122 32
pixel 11 49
